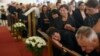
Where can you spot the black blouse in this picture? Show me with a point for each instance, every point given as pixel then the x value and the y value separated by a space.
pixel 59 23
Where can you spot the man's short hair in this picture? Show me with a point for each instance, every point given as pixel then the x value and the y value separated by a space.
pixel 92 3
pixel 88 32
pixel 84 30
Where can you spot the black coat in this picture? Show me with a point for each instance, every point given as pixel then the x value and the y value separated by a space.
pixel 67 37
pixel 41 23
pixel 78 18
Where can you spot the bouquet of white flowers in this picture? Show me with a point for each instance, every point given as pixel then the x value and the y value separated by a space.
pixel 35 44
pixel 18 28
pixel 18 25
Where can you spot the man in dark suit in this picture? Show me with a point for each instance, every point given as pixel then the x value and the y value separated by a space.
pixel 93 13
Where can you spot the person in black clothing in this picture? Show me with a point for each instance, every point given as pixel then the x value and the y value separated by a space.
pixel 54 16
pixel 55 37
pixel 93 18
pixel 66 26
pixel 3 16
pixel 12 14
pixel 93 13
pixel 64 19
pixel 44 20
pixel 79 14
pixel 71 8
pixel 88 40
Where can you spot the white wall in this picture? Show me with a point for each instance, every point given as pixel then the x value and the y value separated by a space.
pixel 37 1
pixel 67 1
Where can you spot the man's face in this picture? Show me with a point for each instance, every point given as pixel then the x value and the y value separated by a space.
pixel 91 11
pixel 86 45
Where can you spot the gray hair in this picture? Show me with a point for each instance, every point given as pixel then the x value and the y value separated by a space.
pixel 88 32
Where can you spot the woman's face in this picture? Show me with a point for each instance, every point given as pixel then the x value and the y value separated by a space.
pixel 71 7
pixel 44 9
pixel 63 11
pixel 82 6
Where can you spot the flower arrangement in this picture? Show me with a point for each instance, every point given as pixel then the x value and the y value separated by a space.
pixel 36 44
pixel 18 28
pixel 19 24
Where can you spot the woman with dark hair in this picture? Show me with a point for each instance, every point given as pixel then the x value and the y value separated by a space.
pixel 79 14
pixel 54 16
pixel 44 21
pixel 3 16
pixel 66 26
pixel 64 19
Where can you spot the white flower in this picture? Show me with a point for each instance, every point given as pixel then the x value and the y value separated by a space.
pixel 27 41
pixel 44 43
pixel 30 38
pixel 36 41
pixel 15 26
pixel 33 44
pixel 39 45
pixel 19 25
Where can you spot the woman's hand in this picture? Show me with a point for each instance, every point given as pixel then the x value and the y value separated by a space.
pixel 69 27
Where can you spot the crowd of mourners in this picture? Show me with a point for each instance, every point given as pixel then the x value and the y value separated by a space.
pixel 61 22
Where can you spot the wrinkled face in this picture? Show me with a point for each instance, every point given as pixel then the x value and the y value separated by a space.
pixel 86 45
pixel 91 11
pixel 63 11
pixel 56 36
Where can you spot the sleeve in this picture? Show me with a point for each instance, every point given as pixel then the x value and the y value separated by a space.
pixel 71 21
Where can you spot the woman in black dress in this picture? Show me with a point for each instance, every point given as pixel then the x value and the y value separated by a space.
pixel 79 14
pixel 44 20
pixel 66 25
pixel 3 16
